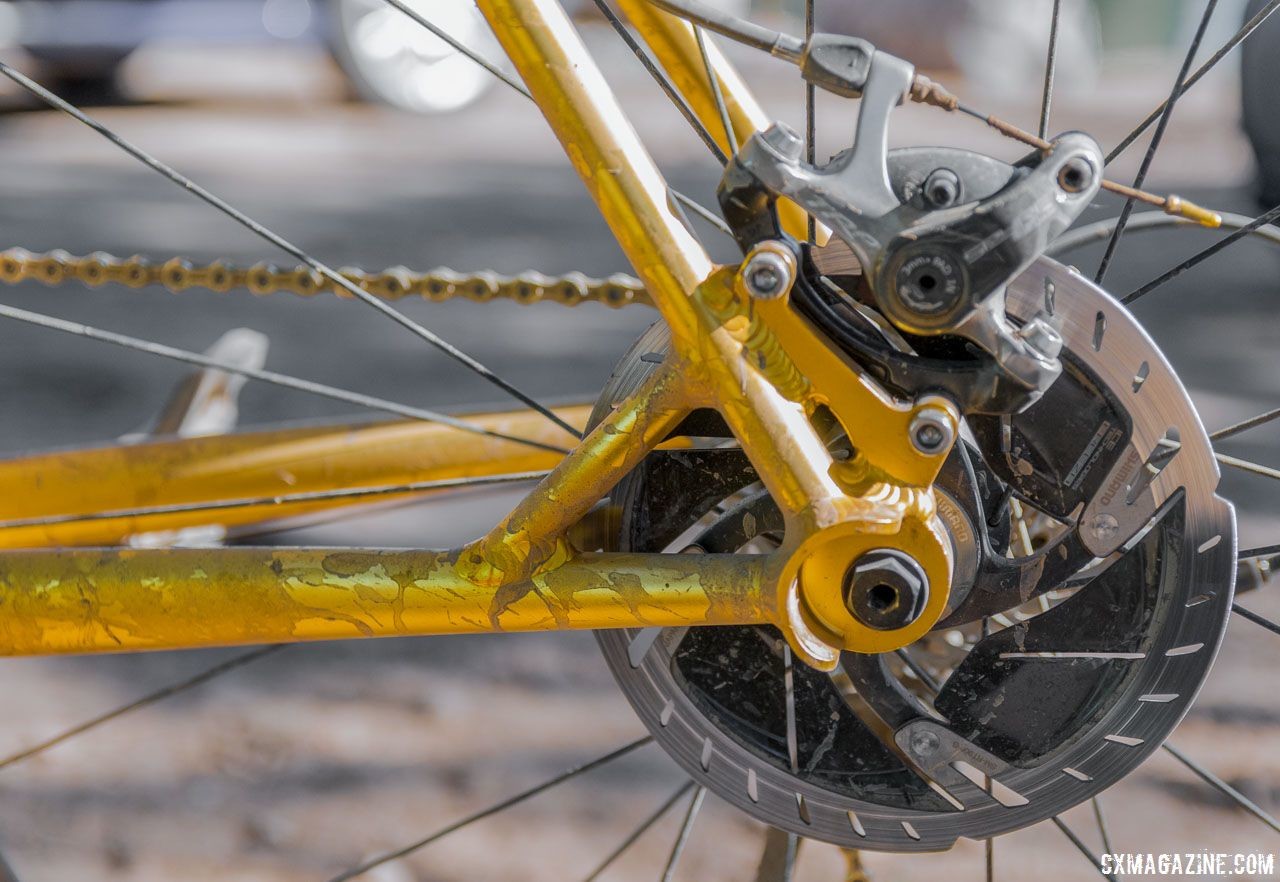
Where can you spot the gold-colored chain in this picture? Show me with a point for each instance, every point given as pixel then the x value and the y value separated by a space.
pixel 177 275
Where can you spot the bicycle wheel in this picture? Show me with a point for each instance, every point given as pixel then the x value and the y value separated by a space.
pixel 1094 561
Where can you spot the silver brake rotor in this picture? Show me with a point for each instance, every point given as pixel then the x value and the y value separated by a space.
pixel 1119 660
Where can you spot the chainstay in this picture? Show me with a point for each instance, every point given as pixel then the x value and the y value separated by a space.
pixel 397 283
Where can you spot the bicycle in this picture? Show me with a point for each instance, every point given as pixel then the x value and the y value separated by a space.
pixel 897 444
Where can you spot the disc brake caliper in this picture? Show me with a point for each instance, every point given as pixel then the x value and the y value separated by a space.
pixel 932 272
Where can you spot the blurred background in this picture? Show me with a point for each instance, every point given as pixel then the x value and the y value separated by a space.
pixel 369 143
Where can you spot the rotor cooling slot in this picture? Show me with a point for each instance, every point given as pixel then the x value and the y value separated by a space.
pixel 1029 688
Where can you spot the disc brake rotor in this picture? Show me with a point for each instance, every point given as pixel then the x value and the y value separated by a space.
pixel 996 723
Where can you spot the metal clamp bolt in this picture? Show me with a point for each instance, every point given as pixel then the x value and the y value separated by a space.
pixel 886 589
pixel 931 431
pixel 768 272
pixel 1040 334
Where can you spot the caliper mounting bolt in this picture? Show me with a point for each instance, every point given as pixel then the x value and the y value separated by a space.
pixel 768 272
pixel 1040 334
pixel 886 589
pixel 784 140
pixel 931 431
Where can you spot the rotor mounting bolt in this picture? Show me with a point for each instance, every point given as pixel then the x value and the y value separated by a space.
pixel 886 589
pixel 1076 174
pixel 767 272
pixel 925 743
pixel 1104 527
pixel 932 431
pixel 942 188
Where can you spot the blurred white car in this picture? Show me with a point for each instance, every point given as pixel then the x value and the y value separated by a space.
pixel 391 59
pixel 388 57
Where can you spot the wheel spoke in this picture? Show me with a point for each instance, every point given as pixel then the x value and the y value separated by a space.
pixel 1148 221
pixel 916 668
pixel 663 81
pixel 739 30
pixel 717 93
pixel 280 242
pixel 1264 551
pixel 1240 36
pixel 1050 68
pixel 1079 844
pixel 639 831
pixel 778 862
pixel 1161 126
pixel 1245 465
pixel 275 379
pixel 1200 256
pixel 489 811
pixel 1245 425
pixel 1255 618
pixel 237 661
pixel 702 211
pixel 1104 830
pixel 810 115
pixel 1223 787
pixel 788 680
pixel 682 839
pixel 283 499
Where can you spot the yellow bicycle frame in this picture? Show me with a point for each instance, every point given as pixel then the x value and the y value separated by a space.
pixel 772 375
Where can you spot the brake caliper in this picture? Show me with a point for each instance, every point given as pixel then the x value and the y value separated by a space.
pixel 936 268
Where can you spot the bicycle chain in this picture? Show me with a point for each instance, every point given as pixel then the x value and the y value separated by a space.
pixel 176 275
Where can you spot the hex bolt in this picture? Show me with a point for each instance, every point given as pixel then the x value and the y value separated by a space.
pixel 1076 174
pixel 784 140
pixel 942 188
pixel 767 274
pixel 886 589
pixel 1040 334
pixel 931 431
